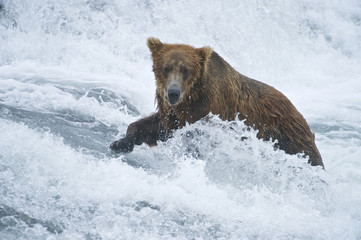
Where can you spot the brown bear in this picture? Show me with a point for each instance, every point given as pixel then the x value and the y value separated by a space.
pixel 193 82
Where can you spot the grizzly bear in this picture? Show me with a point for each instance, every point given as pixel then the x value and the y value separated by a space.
pixel 193 82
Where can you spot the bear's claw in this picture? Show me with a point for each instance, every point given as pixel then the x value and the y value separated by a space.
pixel 122 145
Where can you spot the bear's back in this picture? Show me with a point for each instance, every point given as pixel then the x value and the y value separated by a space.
pixel 261 106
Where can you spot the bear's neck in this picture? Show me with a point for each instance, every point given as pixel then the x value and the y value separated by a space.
pixel 194 107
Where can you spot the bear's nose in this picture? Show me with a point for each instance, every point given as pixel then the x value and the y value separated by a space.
pixel 173 94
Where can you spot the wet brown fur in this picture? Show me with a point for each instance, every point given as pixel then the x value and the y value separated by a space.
pixel 215 87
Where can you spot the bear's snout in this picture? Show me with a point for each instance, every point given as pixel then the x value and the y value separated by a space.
pixel 173 94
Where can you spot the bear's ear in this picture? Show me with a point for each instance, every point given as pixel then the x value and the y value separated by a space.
pixel 154 45
pixel 205 53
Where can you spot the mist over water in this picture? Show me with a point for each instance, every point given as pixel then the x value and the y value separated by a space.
pixel 75 74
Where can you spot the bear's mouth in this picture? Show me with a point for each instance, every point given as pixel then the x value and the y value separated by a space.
pixel 173 95
pixel 172 102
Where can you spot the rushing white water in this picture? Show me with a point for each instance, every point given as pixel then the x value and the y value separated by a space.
pixel 74 74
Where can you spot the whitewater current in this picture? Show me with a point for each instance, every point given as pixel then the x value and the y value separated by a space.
pixel 74 74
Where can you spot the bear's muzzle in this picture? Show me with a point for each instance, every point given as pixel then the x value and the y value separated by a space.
pixel 173 94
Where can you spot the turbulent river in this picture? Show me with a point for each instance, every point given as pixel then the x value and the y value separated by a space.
pixel 74 74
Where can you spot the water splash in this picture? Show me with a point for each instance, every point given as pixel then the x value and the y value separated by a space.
pixel 74 75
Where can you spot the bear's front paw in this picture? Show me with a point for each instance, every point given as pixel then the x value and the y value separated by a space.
pixel 122 145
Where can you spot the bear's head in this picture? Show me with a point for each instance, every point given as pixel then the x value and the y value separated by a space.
pixel 177 67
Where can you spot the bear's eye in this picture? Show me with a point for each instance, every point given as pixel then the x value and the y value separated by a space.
pixel 185 72
pixel 166 70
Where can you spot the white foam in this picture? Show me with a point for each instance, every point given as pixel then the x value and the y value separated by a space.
pixel 233 189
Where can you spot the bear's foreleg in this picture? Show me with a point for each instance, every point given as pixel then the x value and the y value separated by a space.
pixel 146 130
